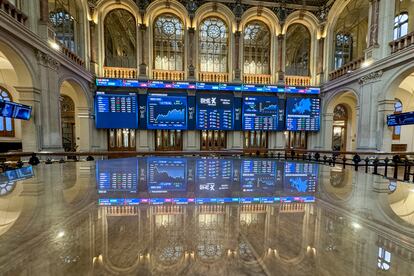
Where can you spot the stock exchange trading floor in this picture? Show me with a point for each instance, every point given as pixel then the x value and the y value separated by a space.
pixel 203 216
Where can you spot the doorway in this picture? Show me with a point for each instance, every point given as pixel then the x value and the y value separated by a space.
pixel 168 140
pixel 67 107
pixel 213 140
pixel 339 128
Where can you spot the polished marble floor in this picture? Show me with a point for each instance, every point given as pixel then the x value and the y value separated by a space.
pixel 203 216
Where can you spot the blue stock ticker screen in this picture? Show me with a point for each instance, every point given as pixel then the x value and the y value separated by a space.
pixel 303 114
pixel 263 113
pixel 214 112
pixel 214 175
pixel 166 112
pixel 116 111
pixel 166 175
pixel 260 175
pixel 300 177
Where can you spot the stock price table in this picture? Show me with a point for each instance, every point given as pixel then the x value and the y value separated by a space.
pixel 262 113
pixel 303 114
pixel 215 112
pixel 116 111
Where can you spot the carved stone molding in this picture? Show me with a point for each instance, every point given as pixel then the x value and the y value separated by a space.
pixel 46 60
pixel 371 77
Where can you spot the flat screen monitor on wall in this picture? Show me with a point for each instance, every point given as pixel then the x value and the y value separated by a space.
pixel 116 110
pixel 167 111
pixel 303 114
pixel 263 113
pixel 214 112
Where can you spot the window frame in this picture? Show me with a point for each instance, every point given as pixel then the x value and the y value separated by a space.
pixel 254 44
pixel 398 25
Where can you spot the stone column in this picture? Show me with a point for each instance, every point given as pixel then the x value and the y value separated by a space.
pixel 280 52
pixel 385 107
pixel 143 66
pixel 191 54
pixel 367 134
pixel 31 135
pixel 44 11
pixel 321 46
pixel 237 70
pixel 50 107
pixel 93 46
pixel 374 19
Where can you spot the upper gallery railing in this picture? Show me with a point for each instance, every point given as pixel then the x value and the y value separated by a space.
pixel 402 43
pixel 120 73
pixel 14 12
pixel 213 77
pixel 347 68
pixel 167 75
pixel 298 80
pixel 71 55
pixel 257 79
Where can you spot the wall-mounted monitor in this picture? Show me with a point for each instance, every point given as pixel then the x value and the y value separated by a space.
pixel 301 177
pixel 15 110
pixel 263 113
pixel 303 114
pixel 214 112
pixel 406 118
pixel 116 110
pixel 117 175
pixel 166 111
pixel 166 175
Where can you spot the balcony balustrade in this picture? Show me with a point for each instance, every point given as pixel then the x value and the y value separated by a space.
pixel 257 79
pixel 213 77
pixel 120 73
pixel 168 75
pixel 402 43
pixel 298 81
pixel 14 12
pixel 347 68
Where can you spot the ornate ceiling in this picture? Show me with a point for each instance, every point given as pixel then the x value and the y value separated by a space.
pixel 281 8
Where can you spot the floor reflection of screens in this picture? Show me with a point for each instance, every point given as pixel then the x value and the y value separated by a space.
pixel 301 177
pixel 259 175
pixel 214 175
pixel 166 175
pixel 8 178
pixel 117 175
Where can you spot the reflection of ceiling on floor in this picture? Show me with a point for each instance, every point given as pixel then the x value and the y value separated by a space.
pixel 5 63
pixel 408 83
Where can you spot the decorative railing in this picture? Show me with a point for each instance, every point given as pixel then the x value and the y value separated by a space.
pixel 167 75
pixel 257 79
pixel 14 12
pixel 121 211
pixel 211 209
pixel 213 77
pixel 292 207
pixel 71 55
pixel 297 80
pixel 120 73
pixel 347 68
pixel 253 208
pixel 402 43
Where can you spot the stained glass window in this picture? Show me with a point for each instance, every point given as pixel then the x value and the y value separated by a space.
pixel 6 124
pixel 168 43
pixel 256 48
pixel 213 48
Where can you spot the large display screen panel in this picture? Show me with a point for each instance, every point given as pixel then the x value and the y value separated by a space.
pixel 117 175
pixel 167 111
pixel 15 110
pixel 400 119
pixel 259 175
pixel 214 112
pixel 166 175
pixel 301 177
pixel 116 111
pixel 263 113
pixel 214 175
pixel 303 114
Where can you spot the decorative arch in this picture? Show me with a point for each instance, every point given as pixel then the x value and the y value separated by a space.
pixel 305 18
pixel 215 10
pixel 7 125
pixel 262 14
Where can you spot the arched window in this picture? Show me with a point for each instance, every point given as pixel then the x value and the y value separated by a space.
pixel 168 43
pixel 400 25
pixel 120 31
pixel 213 48
pixel 398 108
pixel 298 44
pixel 6 124
pixel 256 48
pixel 343 49
pixel 384 259
pixel 64 17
